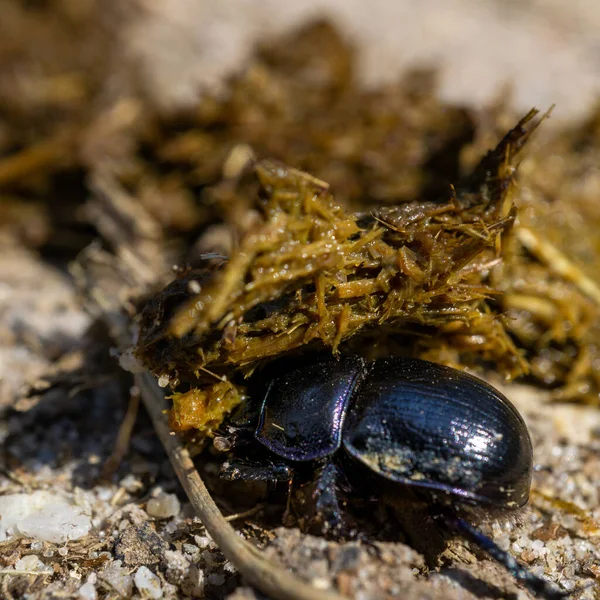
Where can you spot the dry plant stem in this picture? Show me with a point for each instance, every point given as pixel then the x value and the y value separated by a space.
pixel 43 155
pixel 246 513
pixel 24 572
pixel 557 262
pixel 259 572
pixel 135 249
pixel 122 443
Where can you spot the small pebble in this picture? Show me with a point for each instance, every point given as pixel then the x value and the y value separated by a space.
pixel 148 583
pixel 131 484
pixel 43 516
pixel 210 558
pixel 88 591
pixel 118 578
pixel 176 562
pixel 229 567
pixel 104 493
pixel 192 551
pixel 202 541
pixel 172 526
pixel 321 583
pixel 537 545
pixel 31 562
pixel 164 506
pixel 503 542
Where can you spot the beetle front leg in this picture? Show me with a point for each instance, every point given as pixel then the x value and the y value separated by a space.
pixel 237 470
pixel 273 473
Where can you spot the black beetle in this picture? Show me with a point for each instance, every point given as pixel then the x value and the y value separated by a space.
pixel 425 428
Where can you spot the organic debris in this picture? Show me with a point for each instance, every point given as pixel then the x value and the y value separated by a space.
pixel 311 273
pixel 322 257
pixel 552 281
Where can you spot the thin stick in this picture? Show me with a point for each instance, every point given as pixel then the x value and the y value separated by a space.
pixel 257 570
pixel 246 513
pixel 46 154
pixel 123 437
pixel 263 574
pixel 5 572
pixel 557 262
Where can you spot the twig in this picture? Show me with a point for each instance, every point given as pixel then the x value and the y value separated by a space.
pixel 257 570
pixel 46 154
pixel 4 572
pixel 125 274
pixel 246 513
pixel 557 262
pixel 122 443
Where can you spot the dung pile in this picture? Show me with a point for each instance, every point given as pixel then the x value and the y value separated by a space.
pixel 381 237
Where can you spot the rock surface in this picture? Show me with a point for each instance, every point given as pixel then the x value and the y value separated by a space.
pixel 42 516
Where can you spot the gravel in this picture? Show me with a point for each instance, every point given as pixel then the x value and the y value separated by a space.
pixel 140 552
pixel 163 506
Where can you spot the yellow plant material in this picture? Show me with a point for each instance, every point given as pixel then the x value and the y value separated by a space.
pixel 312 274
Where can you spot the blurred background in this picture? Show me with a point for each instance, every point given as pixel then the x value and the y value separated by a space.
pixel 59 51
pixel 157 93
pixel 548 51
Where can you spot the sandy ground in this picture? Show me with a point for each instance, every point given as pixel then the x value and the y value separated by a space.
pixel 546 50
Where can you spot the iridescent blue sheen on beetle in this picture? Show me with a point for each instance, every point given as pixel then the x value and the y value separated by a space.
pixel 410 424
pixel 410 421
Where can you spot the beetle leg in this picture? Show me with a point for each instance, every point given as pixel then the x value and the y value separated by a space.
pixel 237 470
pixel 535 584
pixel 320 503
pixel 245 471
pixel 288 517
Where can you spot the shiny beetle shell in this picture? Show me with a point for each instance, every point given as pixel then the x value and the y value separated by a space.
pixel 409 421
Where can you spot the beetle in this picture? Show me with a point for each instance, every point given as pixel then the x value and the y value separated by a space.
pixel 422 429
